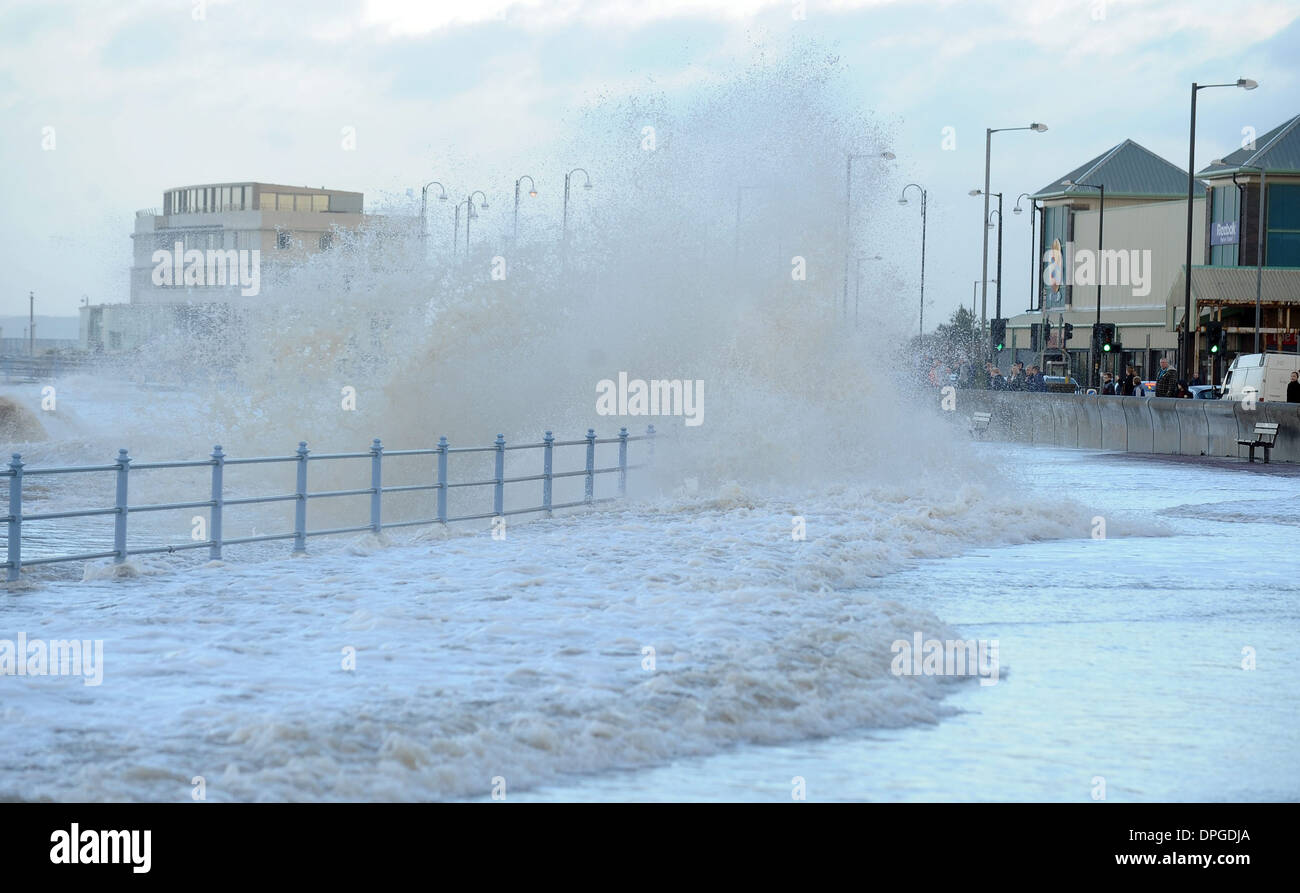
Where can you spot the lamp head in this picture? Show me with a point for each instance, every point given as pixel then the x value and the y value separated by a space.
pixel 887 155
pixel 1247 83
pixel 1037 127
pixel 976 192
pixel 532 193
pixel 484 204
pixel 903 200
pixel 586 185
pixel 1015 210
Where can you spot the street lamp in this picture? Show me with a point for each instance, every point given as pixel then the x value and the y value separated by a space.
pixel 848 216
pixel 1101 221
pixel 471 214
pixel 564 231
pixel 988 151
pixel 902 200
pixel 532 191
pixel 1189 333
pixel 424 204
pixel 1259 234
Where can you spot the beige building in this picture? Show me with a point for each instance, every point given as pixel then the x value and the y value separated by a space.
pixel 1142 252
pixel 211 247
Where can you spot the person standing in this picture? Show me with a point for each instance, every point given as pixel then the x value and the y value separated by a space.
pixel 1167 383
pixel 1293 388
pixel 1108 385
pixel 1035 381
pixel 1128 383
pixel 1017 380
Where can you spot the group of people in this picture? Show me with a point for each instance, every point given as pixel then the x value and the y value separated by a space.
pixel 1020 379
pixel 1130 384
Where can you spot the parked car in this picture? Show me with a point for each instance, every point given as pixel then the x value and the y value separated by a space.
pixel 1059 384
pixel 1205 392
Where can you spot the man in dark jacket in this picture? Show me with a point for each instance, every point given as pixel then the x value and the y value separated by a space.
pixel 1167 383
pixel 1108 385
pixel 1017 380
pixel 1293 389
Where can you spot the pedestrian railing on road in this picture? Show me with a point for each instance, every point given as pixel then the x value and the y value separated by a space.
pixel 216 504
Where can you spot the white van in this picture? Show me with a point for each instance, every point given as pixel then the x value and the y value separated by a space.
pixel 1267 374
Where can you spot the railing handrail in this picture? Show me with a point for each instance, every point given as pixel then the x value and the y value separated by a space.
pixel 125 465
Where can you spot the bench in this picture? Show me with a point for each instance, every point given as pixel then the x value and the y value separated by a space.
pixel 979 423
pixel 1265 435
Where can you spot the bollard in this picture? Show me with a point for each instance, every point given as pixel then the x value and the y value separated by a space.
pixel 499 491
pixel 547 449
pixel 214 514
pixel 119 520
pixel 622 461
pixel 376 484
pixel 15 516
pixel 442 479
pixel 590 488
pixel 300 506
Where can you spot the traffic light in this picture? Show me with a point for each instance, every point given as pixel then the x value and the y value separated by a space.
pixel 1069 331
pixel 998 334
pixel 1103 337
pixel 1215 338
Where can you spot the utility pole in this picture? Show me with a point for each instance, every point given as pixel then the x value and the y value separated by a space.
pixel 31 324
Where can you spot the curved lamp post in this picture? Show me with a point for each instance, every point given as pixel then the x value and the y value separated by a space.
pixel 1188 343
pixel 532 191
pixel 471 214
pixel 564 229
pixel 902 200
pixel 424 205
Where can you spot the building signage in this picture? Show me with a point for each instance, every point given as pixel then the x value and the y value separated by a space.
pixel 1223 233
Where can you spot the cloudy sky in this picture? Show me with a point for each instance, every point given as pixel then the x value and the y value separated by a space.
pixel 104 105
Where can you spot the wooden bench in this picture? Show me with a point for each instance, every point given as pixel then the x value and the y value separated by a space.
pixel 1265 435
pixel 979 423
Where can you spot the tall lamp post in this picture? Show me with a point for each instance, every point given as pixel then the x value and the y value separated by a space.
pixel 532 191
pixel 1188 344
pixel 564 230
pixel 902 200
pixel 1101 222
pixel 988 151
pixel 1259 234
pixel 988 225
pixel 848 218
pixel 424 205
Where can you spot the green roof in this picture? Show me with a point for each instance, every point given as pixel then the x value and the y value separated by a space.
pixel 1277 152
pixel 1127 170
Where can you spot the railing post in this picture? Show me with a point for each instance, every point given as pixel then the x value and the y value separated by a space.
pixel 650 453
pixel 442 479
pixel 376 484
pixel 622 461
pixel 214 514
pixel 300 507
pixel 119 521
pixel 15 516
pixel 498 492
pixel 547 451
pixel 590 488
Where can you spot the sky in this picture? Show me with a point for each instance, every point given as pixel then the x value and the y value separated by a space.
pixel 104 105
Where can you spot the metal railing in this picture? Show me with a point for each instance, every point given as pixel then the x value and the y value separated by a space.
pixel 216 504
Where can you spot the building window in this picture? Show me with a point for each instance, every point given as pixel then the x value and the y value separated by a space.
pixel 283 239
pixel 248 198
pixel 266 201
pixel 1283 211
pixel 326 241
pixel 320 202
